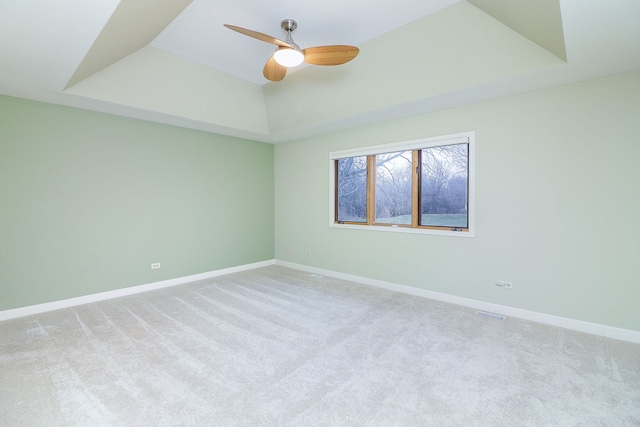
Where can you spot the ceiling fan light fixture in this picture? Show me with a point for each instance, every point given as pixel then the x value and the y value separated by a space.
pixel 288 57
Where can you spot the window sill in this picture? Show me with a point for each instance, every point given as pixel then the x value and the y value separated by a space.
pixel 409 230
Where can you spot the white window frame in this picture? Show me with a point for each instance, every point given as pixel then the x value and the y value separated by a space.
pixel 416 144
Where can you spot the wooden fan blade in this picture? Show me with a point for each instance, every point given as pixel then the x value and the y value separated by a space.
pixel 330 55
pixel 274 71
pixel 259 36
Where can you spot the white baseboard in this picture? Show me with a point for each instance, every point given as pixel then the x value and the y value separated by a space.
pixel 563 322
pixel 56 305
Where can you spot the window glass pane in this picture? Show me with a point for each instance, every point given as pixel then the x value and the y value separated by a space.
pixel 444 186
pixel 393 188
pixel 352 189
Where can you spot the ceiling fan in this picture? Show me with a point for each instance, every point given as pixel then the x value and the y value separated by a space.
pixel 289 54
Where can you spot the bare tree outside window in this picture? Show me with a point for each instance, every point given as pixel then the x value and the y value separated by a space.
pixel 352 189
pixel 444 185
pixel 393 188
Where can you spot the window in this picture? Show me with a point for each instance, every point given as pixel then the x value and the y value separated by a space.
pixel 423 186
pixel 352 190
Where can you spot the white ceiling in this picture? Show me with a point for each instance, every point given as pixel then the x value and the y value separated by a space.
pixel 195 73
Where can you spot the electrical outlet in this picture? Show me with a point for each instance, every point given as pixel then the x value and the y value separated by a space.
pixel 155 265
pixel 504 284
pixel 288 249
pixel 307 252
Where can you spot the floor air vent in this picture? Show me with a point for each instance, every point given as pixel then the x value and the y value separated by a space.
pixel 491 315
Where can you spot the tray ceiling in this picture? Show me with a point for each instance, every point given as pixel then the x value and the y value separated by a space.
pixel 172 61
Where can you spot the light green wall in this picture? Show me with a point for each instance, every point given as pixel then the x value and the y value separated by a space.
pixel 557 195
pixel 88 201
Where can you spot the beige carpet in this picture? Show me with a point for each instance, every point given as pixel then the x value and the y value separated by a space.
pixel 275 346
